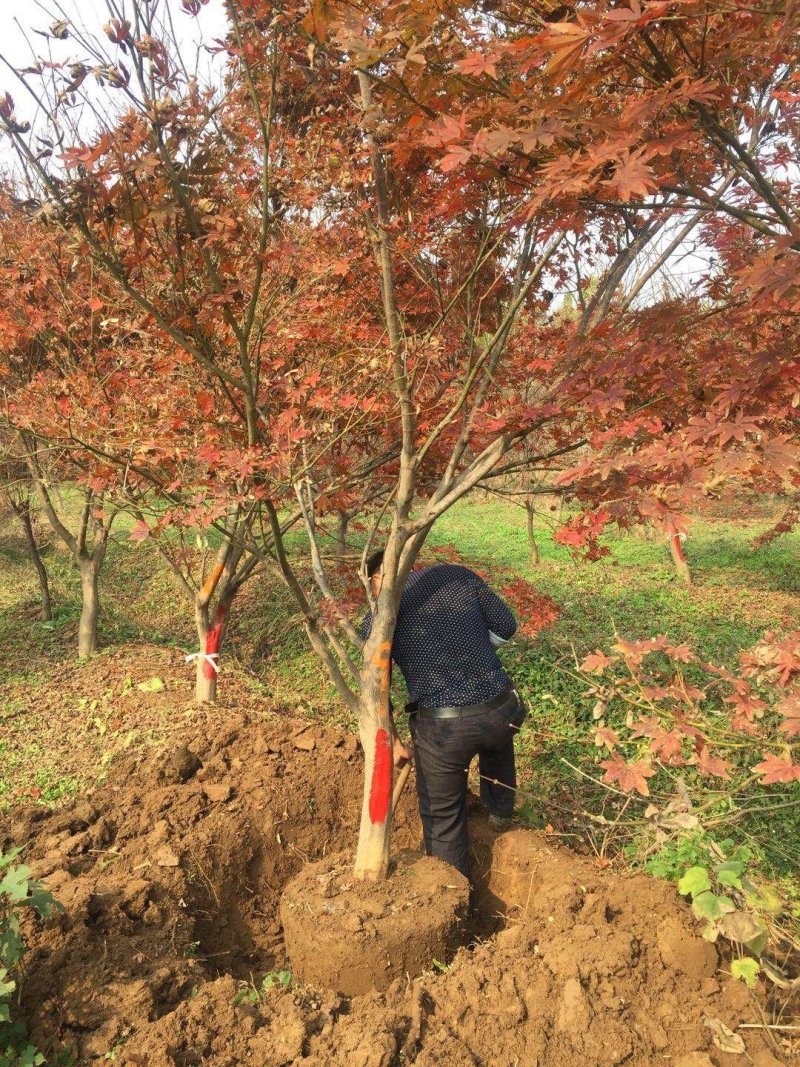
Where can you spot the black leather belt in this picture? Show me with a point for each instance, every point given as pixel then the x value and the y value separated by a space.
pixel 467 710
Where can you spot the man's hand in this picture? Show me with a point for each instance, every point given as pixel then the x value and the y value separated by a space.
pixel 400 752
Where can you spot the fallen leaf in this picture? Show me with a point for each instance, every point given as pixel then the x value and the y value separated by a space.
pixel 745 929
pixel 152 685
pixel 681 820
pixel 724 1038
pixel 778 977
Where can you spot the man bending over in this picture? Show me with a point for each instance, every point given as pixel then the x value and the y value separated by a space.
pixel 462 702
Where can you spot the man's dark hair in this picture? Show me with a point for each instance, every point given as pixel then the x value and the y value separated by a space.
pixel 374 563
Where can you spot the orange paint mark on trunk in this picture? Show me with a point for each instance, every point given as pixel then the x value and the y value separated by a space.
pixel 383 661
pixel 211 581
pixel 381 785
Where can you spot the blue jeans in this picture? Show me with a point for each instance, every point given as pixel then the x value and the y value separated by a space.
pixel 443 751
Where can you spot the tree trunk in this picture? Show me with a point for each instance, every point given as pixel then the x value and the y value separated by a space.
pixel 342 522
pixel 24 513
pixel 90 605
pixel 210 642
pixel 375 729
pixel 531 513
pixel 679 559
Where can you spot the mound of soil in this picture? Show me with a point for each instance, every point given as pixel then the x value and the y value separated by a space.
pixel 355 936
pixel 171 876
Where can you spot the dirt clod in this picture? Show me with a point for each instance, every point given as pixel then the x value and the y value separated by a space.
pixel 694 1059
pixel 357 936
pixel 165 857
pixel 184 763
pixel 681 949
pixel 217 792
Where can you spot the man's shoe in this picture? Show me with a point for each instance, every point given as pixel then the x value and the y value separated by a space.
pixel 499 823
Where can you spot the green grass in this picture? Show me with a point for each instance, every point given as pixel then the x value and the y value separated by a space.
pixel 633 592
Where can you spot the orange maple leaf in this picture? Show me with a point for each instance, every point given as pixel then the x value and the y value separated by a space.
pixel 628 775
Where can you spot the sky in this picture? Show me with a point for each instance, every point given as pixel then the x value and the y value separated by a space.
pixel 39 14
pixel 19 18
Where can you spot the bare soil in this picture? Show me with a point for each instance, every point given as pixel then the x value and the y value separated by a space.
pixel 171 875
pixel 355 936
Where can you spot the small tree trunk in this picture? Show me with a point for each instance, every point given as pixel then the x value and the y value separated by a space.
pixel 531 513
pixel 679 559
pixel 375 729
pixel 210 642
pixel 24 513
pixel 90 605
pixel 342 522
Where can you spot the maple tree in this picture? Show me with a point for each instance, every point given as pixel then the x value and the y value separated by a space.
pixel 181 208
pixel 17 494
pixel 458 261
pixel 41 335
pixel 649 715
pixel 711 128
pixel 343 273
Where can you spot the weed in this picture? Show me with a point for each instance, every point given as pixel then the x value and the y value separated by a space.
pixel 118 1045
pixel 18 892
pixel 254 993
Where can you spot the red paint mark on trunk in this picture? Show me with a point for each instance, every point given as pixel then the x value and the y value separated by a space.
pixel 213 641
pixel 381 785
pixel 677 548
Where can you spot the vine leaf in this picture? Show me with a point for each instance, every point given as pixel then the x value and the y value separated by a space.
pixel 746 970
pixel 694 881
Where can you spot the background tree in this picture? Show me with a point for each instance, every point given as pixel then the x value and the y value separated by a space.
pixel 181 206
pixel 17 495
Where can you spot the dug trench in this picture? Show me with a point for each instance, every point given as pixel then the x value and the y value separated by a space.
pixel 171 877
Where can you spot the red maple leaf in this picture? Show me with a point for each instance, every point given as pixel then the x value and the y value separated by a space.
pixel 566 41
pixel 604 735
pixel 708 764
pixel 747 706
pixel 628 775
pixel 477 63
pixel 457 156
pixel 140 531
pixel 595 661
pixel 790 710
pixel 778 769
pixel 632 178
pixel 666 744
